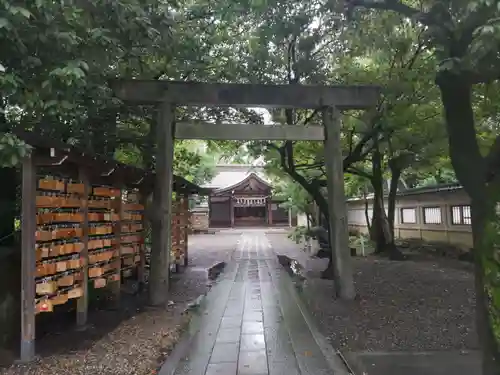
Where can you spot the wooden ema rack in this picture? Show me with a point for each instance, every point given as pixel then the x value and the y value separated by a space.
pixel 59 242
pixel 103 252
pixel 132 233
pixel 180 228
pixel 83 233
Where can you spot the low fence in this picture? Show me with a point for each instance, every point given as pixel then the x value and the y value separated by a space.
pixel 440 213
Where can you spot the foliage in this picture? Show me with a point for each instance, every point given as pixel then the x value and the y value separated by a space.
pixel 299 234
pixel 57 58
pixel 294 197
pixel 192 164
pixel 463 37
pixel 12 150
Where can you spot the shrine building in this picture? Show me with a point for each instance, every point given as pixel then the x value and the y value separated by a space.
pixel 241 196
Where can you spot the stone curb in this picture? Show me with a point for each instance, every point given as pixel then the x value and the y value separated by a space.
pixel 334 357
pixel 181 348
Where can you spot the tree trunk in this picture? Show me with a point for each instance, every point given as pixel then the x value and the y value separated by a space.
pixel 367 216
pixel 486 240
pixel 380 231
pixel 393 190
pixel 470 168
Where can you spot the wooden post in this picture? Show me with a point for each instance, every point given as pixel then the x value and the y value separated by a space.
pixel 231 210
pixel 83 301
pixel 28 263
pixel 162 203
pixel 270 213
pixel 115 286
pixel 176 230
pixel 290 217
pixel 186 230
pixel 141 271
pixel 209 211
pixel 339 238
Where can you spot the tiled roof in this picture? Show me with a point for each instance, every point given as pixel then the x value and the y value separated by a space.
pixel 419 190
pixel 231 174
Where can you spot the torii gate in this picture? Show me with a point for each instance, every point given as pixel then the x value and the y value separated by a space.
pixel 329 99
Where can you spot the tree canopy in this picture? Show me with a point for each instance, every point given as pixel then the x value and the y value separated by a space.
pixel 430 57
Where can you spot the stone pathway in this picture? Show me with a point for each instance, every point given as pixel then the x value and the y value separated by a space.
pixel 254 324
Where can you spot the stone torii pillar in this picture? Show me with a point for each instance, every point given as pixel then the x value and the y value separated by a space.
pixel 338 230
pixel 162 205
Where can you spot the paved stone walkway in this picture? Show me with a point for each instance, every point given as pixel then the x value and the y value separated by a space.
pixel 254 324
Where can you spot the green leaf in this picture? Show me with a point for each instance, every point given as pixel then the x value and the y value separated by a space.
pixel 4 22
pixel 51 103
pixel 84 66
pixel 25 12
pixel 488 29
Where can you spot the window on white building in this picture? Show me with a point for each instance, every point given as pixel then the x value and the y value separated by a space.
pixel 408 216
pixel 432 215
pixel 460 215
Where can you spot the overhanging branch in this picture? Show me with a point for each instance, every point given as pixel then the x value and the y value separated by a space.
pixel 392 5
pixel 359 172
pixel 493 161
pixel 359 151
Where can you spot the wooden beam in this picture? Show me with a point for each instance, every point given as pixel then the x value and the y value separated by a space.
pixel 82 304
pixel 141 272
pixel 338 232
pixel 186 229
pixel 246 95
pixel 247 132
pixel 162 205
pixel 28 263
pixel 115 286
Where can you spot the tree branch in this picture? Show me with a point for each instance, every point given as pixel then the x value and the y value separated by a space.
pixel 392 5
pixel 493 160
pixel 310 187
pixel 310 117
pixel 416 54
pixel 309 166
pixel 359 172
pixel 357 154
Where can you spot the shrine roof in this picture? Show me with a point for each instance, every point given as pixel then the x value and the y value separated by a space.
pixel 233 175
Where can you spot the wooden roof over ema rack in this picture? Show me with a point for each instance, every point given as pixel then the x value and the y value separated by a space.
pixel 53 154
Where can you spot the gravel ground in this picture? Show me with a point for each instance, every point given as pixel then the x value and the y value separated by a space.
pixel 136 339
pixel 419 305
pixel 205 250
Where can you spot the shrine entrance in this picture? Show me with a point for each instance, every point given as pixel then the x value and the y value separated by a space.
pixel 328 100
pixel 250 211
pixel 250 216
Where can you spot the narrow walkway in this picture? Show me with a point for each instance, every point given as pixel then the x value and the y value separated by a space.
pixel 253 323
